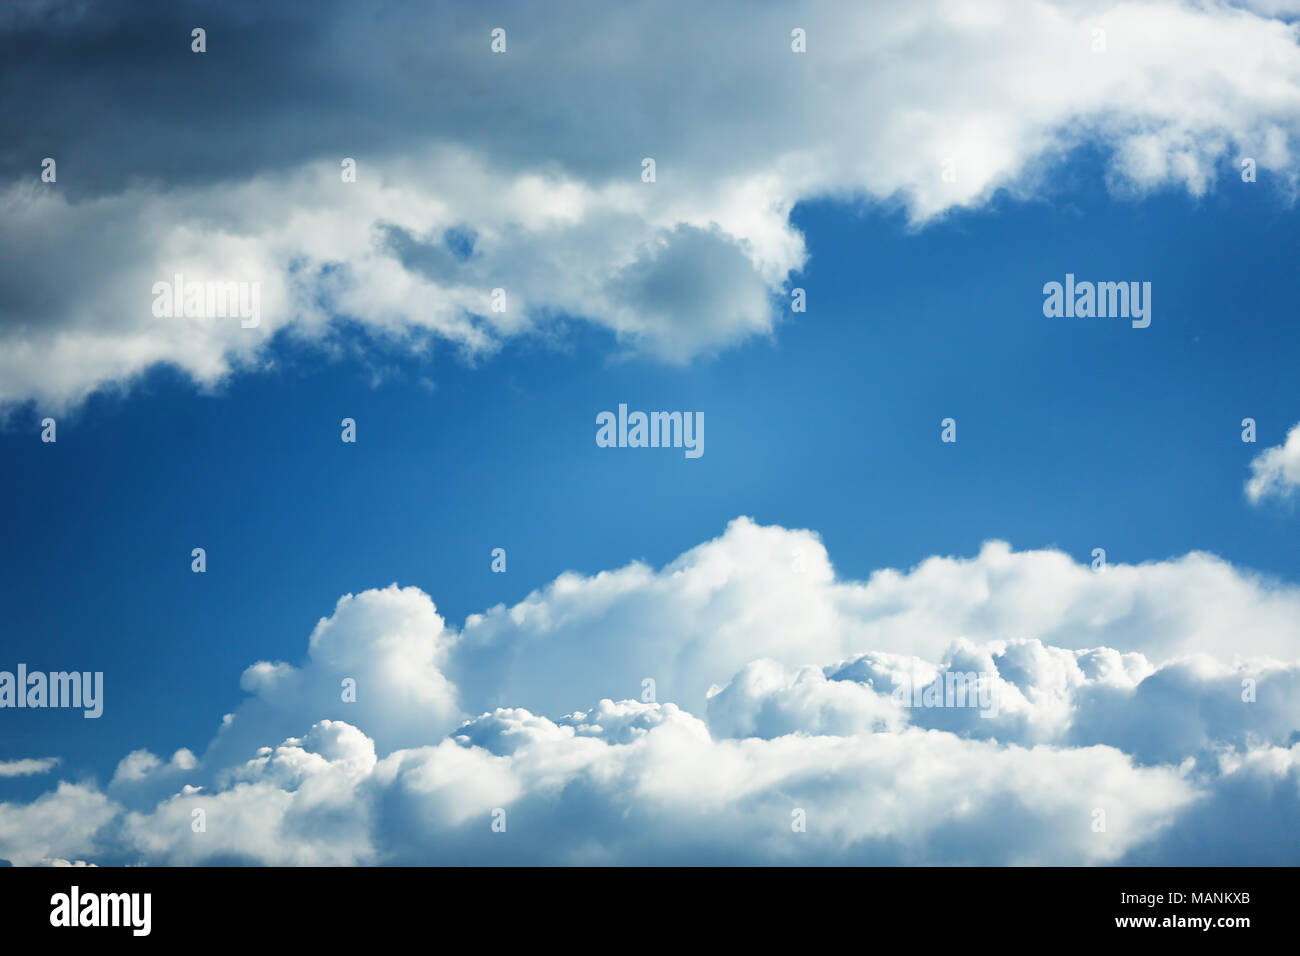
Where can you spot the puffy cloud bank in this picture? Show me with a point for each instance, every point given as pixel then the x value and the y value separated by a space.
pixel 744 705
pixel 522 170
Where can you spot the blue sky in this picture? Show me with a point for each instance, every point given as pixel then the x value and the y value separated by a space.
pixel 1073 434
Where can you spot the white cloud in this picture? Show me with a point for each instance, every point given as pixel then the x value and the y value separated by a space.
pixel 27 767
pixel 58 824
pixel 1275 472
pixel 543 168
pixel 1193 706
pixel 773 694
pixel 738 598
pixel 633 782
pixel 58 861
pixel 392 643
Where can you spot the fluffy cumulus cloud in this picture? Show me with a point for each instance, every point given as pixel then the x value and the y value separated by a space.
pixel 743 704
pixel 1275 472
pixel 522 170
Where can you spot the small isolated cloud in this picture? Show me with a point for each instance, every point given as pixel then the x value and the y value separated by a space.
pixel 58 862
pixel 739 706
pixel 1275 472
pixel 27 767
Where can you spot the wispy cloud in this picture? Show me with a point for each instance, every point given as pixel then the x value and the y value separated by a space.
pixel 27 767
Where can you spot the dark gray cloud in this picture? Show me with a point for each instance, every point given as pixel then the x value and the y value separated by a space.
pixel 226 163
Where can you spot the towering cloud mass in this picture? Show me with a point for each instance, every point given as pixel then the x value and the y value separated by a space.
pixel 522 170
pixel 740 706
